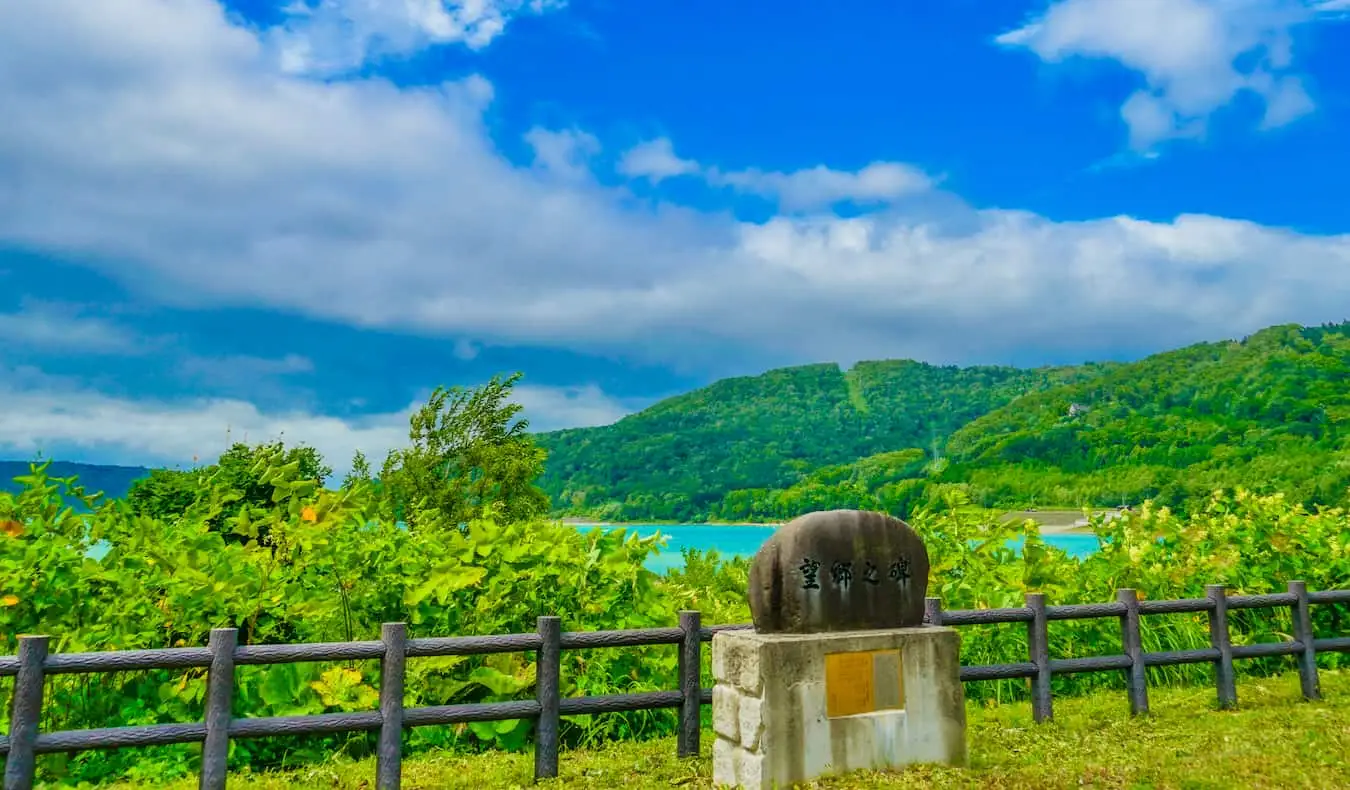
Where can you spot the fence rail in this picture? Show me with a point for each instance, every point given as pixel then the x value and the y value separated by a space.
pixel 33 664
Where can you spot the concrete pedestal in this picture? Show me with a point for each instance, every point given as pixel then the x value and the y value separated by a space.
pixel 792 707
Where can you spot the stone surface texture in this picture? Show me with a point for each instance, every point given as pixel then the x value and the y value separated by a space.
pixel 839 570
pixel 769 707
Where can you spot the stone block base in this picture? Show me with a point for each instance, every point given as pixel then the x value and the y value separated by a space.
pixel 789 708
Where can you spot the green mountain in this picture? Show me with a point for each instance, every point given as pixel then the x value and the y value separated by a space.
pixel 679 458
pixel 114 481
pixel 1268 413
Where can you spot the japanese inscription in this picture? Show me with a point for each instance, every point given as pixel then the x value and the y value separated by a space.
pixel 841 573
pixel 839 570
pixel 900 570
pixel 810 570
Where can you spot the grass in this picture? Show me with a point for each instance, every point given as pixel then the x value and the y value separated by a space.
pixel 1273 740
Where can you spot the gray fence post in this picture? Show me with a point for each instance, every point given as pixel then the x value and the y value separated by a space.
pixel 547 668
pixel 691 684
pixel 1038 649
pixel 1136 678
pixel 1303 632
pixel 389 753
pixel 1219 639
pixel 26 715
pixel 219 701
pixel 932 611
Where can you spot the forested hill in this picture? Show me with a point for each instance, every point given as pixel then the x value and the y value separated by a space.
pixel 114 481
pixel 677 459
pixel 1271 413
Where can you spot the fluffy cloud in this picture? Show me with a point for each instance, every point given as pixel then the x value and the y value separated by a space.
pixel 1195 55
pixel 656 161
pixel 817 187
pixel 159 143
pixel 811 188
pixel 56 328
pixel 566 153
pixel 49 415
pixel 335 36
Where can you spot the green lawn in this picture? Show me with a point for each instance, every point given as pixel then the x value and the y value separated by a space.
pixel 1274 740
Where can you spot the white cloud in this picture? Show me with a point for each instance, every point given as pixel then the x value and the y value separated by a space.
pixel 551 408
pixel 243 367
pixel 466 349
pixel 42 413
pixel 49 327
pixel 1195 56
pixel 806 189
pixel 817 187
pixel 656 161
pixel 158 143
pixel 335 36
pixel 566 153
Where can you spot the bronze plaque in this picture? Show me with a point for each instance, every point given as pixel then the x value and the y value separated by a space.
pixel 863 682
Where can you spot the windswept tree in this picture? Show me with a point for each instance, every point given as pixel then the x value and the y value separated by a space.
pixel 470 452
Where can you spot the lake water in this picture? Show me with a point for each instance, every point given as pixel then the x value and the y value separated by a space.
pixel 731 541
pixel 744 541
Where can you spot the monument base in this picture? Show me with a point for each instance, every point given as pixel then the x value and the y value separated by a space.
pixel 792 707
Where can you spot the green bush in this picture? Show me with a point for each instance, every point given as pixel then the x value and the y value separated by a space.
pixel 330 570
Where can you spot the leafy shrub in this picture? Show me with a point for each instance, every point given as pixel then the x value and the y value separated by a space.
pixel 329 570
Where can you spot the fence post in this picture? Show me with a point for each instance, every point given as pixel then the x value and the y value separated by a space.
pixel 219 701
pixel 26 715
pixel 1038 648
pixel 1220 640
pixel 1303 632
pixel 932 611
pixel 691 684
pixel 389 753
pixel 1136 679
pixel 547 668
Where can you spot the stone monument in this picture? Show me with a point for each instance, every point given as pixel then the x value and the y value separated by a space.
pixel 840 673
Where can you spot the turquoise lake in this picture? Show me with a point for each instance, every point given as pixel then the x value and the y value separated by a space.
pixel 744 541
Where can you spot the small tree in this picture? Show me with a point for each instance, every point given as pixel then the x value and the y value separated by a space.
pixel 360 472
pixel 470 452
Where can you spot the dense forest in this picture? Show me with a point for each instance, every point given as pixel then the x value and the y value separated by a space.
pixel 1268 413
pixel 681 458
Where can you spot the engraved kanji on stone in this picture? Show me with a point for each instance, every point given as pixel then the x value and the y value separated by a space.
pixel 841 573
pixel 900 570
pixel 810 572
pixel 827 571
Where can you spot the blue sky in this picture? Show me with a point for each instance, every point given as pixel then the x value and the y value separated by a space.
pixel 295 218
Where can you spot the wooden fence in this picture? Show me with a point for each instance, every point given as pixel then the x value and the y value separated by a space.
pixel 33 664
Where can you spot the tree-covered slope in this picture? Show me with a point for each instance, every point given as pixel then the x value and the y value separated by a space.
pixel 677 459
pixel 114 481
pixel 1271 412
